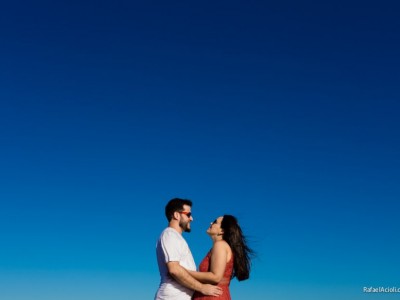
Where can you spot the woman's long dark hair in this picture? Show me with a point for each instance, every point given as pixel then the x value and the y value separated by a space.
pixel 237 241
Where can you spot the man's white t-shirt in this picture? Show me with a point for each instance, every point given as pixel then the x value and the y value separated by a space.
pixel 171 246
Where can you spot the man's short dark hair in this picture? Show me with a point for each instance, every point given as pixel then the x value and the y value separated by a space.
pixel 174 205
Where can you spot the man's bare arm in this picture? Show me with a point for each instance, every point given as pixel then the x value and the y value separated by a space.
pixel 183 277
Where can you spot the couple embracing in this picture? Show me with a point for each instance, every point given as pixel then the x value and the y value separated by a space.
pixel 229 257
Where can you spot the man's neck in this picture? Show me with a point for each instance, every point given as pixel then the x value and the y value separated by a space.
pixel 176 227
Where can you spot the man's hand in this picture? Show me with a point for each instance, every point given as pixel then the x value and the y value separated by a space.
pixel 180 274
pixel 211 290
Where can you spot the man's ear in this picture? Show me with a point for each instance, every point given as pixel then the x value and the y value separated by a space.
pixel 176 215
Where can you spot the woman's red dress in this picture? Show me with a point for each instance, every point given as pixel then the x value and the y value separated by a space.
pixel 223 284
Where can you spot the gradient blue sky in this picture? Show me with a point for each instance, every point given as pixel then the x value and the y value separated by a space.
pixel 283 114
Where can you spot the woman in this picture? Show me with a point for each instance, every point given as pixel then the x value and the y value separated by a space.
pixel 229 257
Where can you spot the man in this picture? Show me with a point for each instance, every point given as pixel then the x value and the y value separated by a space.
pixel 174 256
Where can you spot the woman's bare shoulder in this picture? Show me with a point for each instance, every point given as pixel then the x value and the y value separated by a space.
pixel 221 246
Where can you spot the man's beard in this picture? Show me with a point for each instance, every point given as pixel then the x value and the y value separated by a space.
pixel 184 226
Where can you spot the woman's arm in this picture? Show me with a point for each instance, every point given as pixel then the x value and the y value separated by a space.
pixel 219 255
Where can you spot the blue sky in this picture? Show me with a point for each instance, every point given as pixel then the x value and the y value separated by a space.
pixel 285 115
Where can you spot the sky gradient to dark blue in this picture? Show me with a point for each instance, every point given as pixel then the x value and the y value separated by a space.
pixel 283 114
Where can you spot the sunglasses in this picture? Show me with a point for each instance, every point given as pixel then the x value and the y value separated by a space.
pixel 188 214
